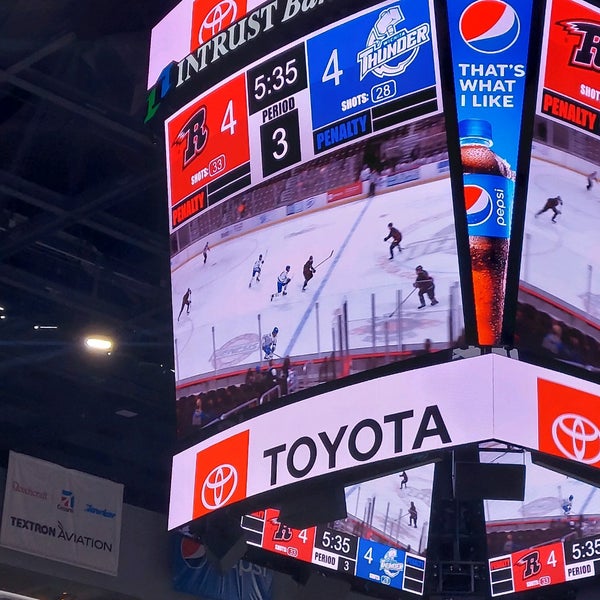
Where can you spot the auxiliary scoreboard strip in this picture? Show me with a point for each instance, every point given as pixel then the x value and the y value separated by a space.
pixel 545 565
pixel 345 82
pixel 338 551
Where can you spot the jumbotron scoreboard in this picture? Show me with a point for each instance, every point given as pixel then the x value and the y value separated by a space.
pixel 338 551
pixel 549 564
pixel 343 83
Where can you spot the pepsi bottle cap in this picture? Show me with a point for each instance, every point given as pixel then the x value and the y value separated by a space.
pixel 470 128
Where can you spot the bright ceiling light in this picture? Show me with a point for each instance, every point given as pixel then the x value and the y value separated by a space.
pixel 99 343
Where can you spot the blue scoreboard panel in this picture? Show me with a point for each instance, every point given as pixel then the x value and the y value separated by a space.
pixel 337 550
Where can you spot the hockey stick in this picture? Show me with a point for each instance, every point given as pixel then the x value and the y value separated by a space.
pixel 401 303
pixel 325 260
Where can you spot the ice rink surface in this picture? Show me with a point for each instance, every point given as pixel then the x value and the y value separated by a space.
pixel 359 267
pixel 563 258
pixel 390 505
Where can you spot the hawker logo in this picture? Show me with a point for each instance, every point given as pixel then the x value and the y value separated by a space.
pixel 67 501
pixel 219 486
pixel 218 18
pixel 390 50
pixel 577 437
pixel 587 53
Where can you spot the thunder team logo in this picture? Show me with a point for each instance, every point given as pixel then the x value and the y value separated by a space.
pixel 390 49
pixel 489 26
pixel 478 203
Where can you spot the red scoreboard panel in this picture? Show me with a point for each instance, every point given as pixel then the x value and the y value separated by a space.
pixel 209 150
pixel 337 550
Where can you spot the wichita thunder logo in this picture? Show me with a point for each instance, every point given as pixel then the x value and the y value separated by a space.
pixel 489 26
pixel 389 50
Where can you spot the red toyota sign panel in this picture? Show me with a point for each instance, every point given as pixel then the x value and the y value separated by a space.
pixel 568 423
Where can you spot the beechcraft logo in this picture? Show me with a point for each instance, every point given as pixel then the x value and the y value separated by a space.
pixel 390 49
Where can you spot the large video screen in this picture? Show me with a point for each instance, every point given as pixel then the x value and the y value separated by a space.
pixel 312 219
pixel 382 540
pixel 553 536
pixel 559 295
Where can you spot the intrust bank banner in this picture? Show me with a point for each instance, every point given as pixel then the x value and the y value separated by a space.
pixel 62 514
pixel 465 401
pixel 189 25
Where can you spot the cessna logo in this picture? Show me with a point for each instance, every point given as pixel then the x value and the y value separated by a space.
pixel 577 437
pixel 361 441
pixel 219 486
pixel 587 54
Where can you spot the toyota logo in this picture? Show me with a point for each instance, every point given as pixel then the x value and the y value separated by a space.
pixel 219 486
pixel 220 17
pixel 577 437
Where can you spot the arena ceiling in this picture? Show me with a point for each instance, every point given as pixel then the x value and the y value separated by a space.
pixel 84 244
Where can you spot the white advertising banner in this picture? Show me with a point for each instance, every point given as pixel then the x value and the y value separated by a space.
pixel 416 411
pixel 62 514
pixel 465 401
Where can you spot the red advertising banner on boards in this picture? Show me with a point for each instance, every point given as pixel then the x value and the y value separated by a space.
pixel 571 76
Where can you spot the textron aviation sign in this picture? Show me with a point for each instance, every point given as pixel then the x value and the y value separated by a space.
pixel 398 415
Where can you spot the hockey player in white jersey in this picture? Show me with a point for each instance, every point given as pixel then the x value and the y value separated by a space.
pixel 269 343
pixel 256 269
pixel 282 282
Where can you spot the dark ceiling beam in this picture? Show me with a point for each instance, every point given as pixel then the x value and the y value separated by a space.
pixel 58 44
pixel 87 204
pixel 52 202
pixel 87 113
pixel 64 296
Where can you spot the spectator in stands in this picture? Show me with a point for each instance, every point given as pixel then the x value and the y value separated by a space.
pixel 552 341
pixel 198 417
pixel 365 173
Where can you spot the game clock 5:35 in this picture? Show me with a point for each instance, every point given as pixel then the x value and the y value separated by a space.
pixel 276 79
pixel 582 550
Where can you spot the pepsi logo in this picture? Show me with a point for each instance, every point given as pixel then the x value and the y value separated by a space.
pixel 193 553
pixel 489 26
pixel 478 203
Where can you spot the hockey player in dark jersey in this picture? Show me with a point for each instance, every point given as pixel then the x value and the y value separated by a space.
pixel 551 204
pixel 308 271
pixel 591 178
pixel 185 302
pixel 205 251
pixel 396 239
pixel 424 283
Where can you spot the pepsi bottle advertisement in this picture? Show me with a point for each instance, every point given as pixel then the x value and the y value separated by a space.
pixel 489 41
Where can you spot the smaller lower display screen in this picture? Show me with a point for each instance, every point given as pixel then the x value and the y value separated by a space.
pixel 552 537
pixel 382 540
